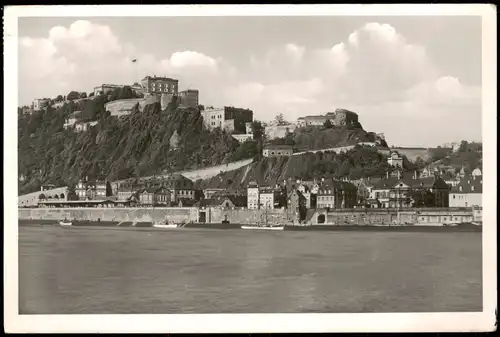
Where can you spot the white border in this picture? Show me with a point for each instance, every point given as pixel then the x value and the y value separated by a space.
pixel 391 322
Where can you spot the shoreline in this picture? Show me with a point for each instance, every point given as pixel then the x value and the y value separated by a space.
pixel 99 225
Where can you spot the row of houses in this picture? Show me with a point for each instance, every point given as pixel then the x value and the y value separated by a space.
pixel 408 190
pixel 299 196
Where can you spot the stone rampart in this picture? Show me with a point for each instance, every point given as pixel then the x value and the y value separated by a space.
pixel 123 107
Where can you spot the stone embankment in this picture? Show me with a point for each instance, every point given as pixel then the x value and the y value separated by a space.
pixel 424 216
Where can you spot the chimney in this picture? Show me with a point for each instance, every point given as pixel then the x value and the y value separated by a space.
pixel 387 174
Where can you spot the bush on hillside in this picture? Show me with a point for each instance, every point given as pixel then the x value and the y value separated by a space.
pixel 115 148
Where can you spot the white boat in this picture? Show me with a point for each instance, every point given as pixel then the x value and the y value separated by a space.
pixel 165 226
pixel 65 223
pixel 268 227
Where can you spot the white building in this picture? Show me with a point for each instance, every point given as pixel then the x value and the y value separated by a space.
pixel 84 126
pixel 253 196
pixel 277 150
pixel 40 103
pixel 395 160
pixel 467 193
pixel 71 119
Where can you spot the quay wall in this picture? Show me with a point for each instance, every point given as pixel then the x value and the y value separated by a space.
pixel 244 216
pixel 178 214
pixel 424 216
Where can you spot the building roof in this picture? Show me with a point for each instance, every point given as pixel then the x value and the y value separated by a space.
pixel 428 182
pixel 187 202
pixel 211 202
pixel 160 78
pixel 469 185
pixel 346 111
pixel 316 117
pixel 238 200
pixel 278 147
pixel 330 185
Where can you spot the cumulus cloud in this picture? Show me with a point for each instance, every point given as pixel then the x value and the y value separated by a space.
pixel 86 54
pixel 391 82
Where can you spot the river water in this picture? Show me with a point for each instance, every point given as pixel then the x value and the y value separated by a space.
pixel 92 271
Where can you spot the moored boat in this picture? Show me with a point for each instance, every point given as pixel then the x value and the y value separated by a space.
pixel 65 223
pixel 165 225
pixel 269 227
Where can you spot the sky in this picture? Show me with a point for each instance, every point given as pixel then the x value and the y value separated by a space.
pixel 417 79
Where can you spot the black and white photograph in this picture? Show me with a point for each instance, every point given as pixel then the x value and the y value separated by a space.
pixel 250 168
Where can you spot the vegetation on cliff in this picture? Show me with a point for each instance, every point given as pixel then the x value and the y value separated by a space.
pixel 362 161
pixel 469 156
pixel 133 146
pixel 324 137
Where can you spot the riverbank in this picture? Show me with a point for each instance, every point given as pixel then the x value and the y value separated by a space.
pixel 228 226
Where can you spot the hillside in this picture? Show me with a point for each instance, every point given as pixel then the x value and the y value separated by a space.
pixel 356 163
pixel 116 148
pixel 316 138
pixel 469 156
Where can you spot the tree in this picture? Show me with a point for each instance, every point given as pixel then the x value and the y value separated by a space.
pixel 83 95
pixel 257 130
pixel 91 94
pixel 73 95
pixel 328 124
pixel 419 162
pixel 280 119
pixel 463 146
pixel 59 98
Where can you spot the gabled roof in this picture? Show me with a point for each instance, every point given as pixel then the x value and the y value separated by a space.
pixel 469 185
pixel 212 202
pixel 428 182
pixel 238 200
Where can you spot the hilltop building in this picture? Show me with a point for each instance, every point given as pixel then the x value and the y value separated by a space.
pixel 122 107
pixel 243 137
pixel 188 98
pixel 341 117
pixel 230 119
pixel 277 150
pixel 40 104
pixel 160 85
pixel 71 119
pixel 104 89
pixel 279 131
